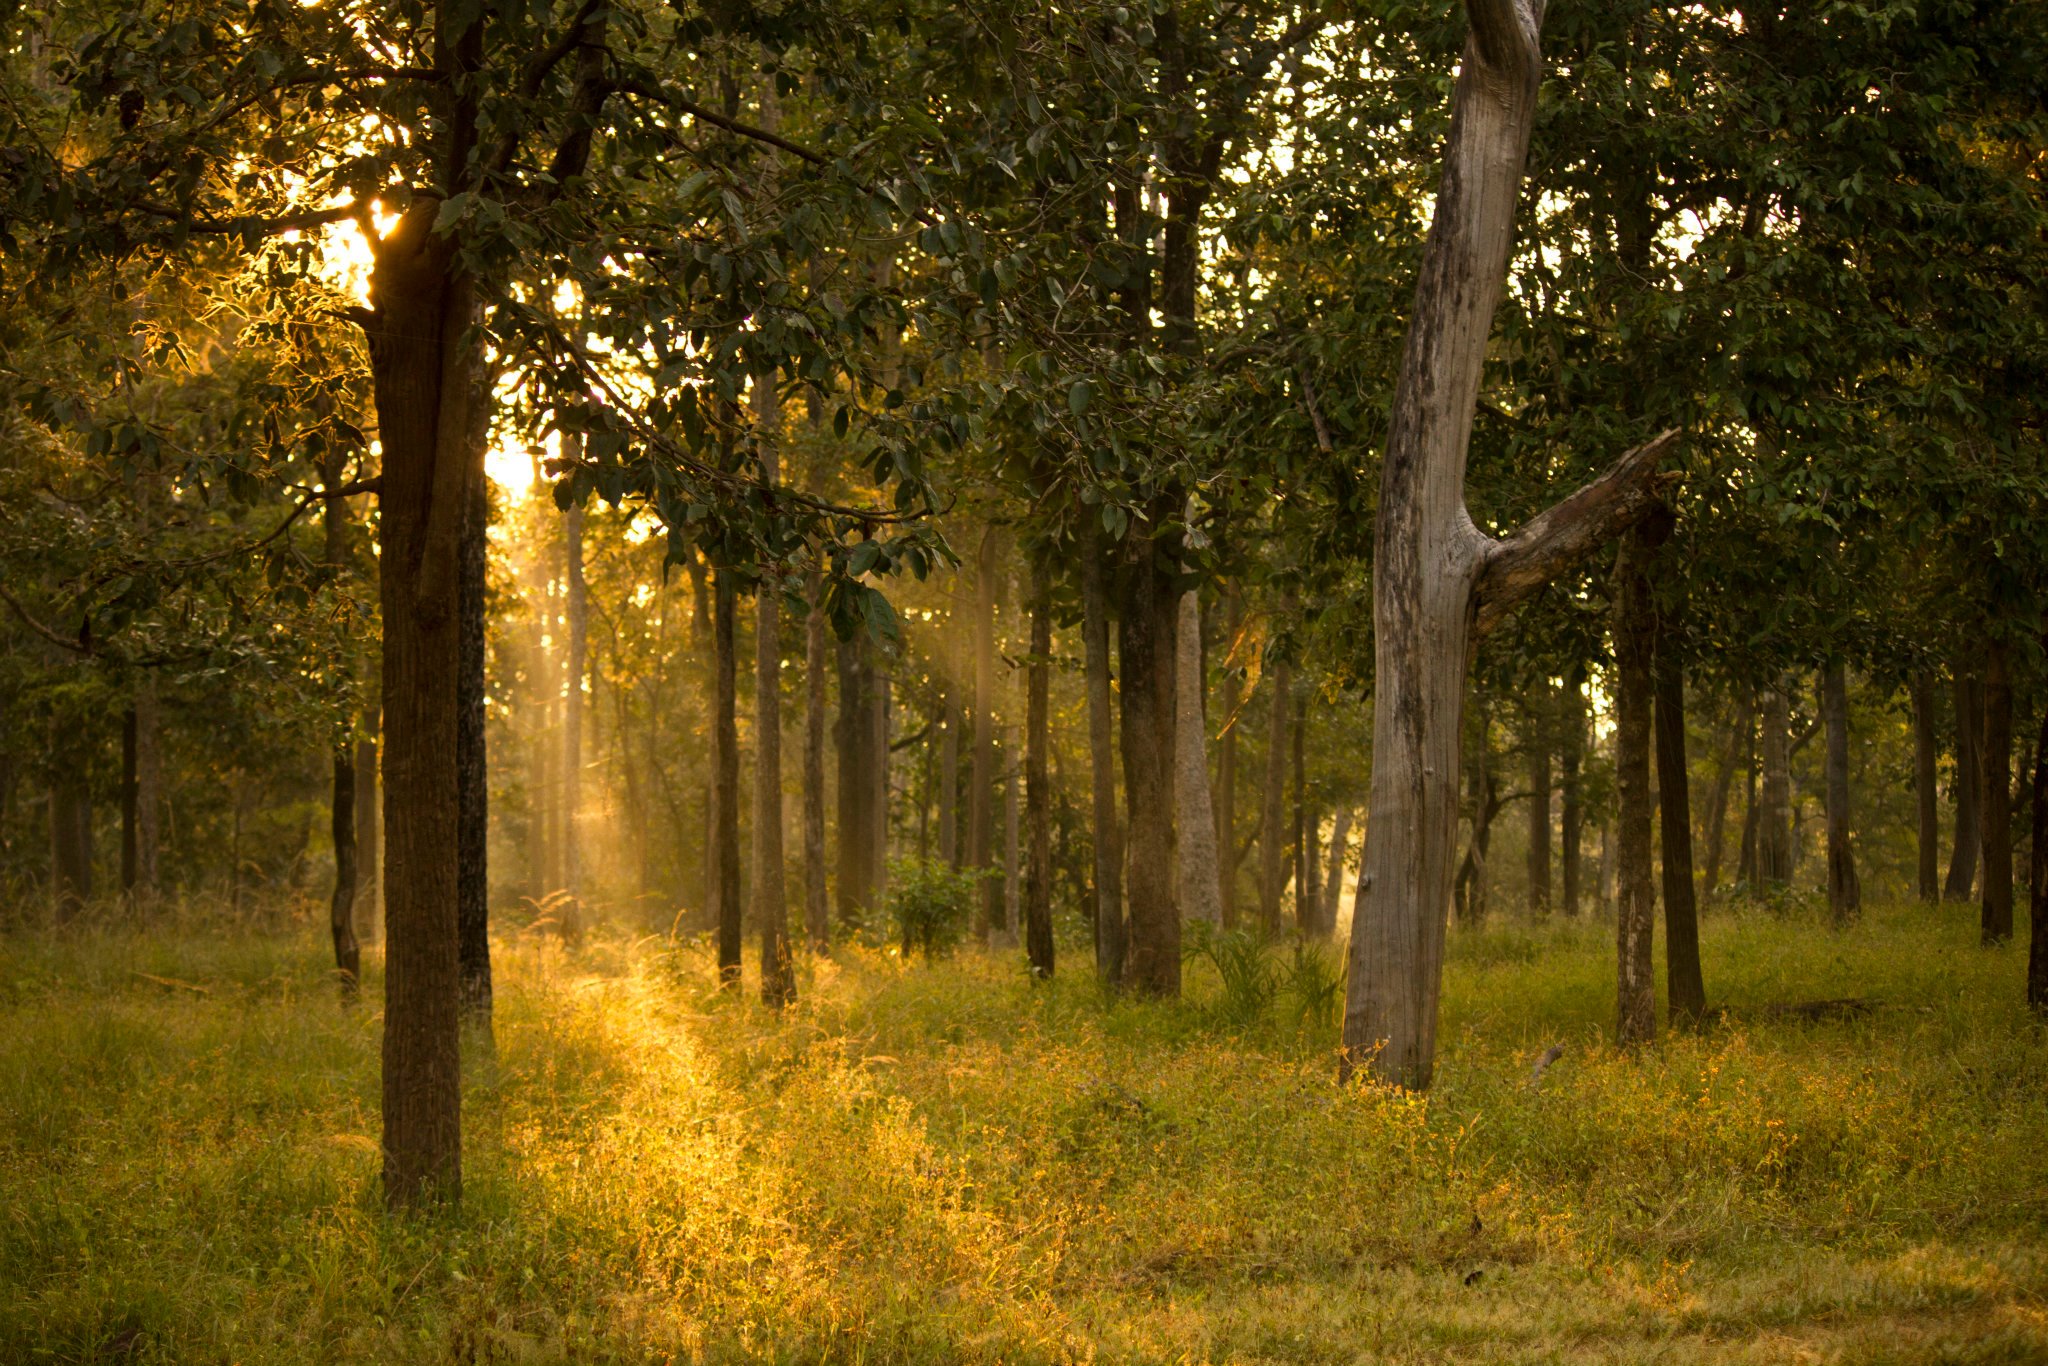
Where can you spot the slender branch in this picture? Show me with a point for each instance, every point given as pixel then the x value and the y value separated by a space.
pixel 80 645
pixel 269 227
pixel 1557 538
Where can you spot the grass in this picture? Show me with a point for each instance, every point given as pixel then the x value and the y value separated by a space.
pixel 946 1164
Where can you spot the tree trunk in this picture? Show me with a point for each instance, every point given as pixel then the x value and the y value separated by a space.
pixel 1774 829
pixel 1539 799
pixel 817 914
pixel 1636 898
pixel 880 715
pixel 1037 797
pixel 348 958
pixel 857 785
pixel 425 373
pixel 1333 884
pixel 1845 893
pixel 703 634
pixel 1013 846
pixel 981 788
pixel 1746 863
pixel 1438 582
pixel 1272 821
pixel 725 849
pixel 1226 768
pixel 128 803
pixel 1969 829
pixel 771 897
pixel 949 769
pixel 1925 795
pixel 1468 889
pixel 473 910
pixel 1572 816
pixel 1199 882
pixel 1145 638
pixel 1685 989
pixel 70 825
pixel 1996 760
pixel 367 806
pixel 576 612
pixel 2037 909
pixel 1304 822
pixel 1743 726
pixel 1110 939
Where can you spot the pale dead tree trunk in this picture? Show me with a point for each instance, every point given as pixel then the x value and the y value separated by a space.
pixel 1333 883
pixel 1037 796
pixel 771 899
pixel 1226 765
pixel 1109 844
pixel 981 786
pixel 1969 822
pixel 1195 845
pixel 1845 892
pixel 367 881
pixel 1739 731
pixel 725 846
pixel 1636 896
pixel 1571 794
pixel 1537 718
pixel 1273 812
pixel 817 914
pixel 1774 823
pixel 1438 582
pixel 576 614
pixel 1926 797
pixel 1995 758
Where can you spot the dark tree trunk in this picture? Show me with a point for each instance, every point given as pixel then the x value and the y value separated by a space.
pixel 1146 651
pixel 2037 946
pixel 70 826
pixel 367 806
pixel 576 617
pixel 425 372
pixel 725 846
pixel 1996 760
pixel 855 733
pixel 341 922
pixel 1845 893
pixel 817 913
pixel 1746 861
pixel 1969 830
pixel 1438 583
pixel 1572 816
pixel 1196 877
pixel 473 911
pixel 1926 797
pixel 1539 800
pixel 1739 730
pixel 1226 769
pixel 1774 829
pixel 1685 990
pixel 1038 799
pixel 1636 897
pixel 149 789
pixel 1468 888
pixel 982 785
pixel 1110 939
pixel 771 896
pixel 703 634
pixel 1273 816
pixel 128 802
pixel 1304 820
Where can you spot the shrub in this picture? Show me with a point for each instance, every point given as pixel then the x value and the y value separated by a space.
pixel 930 903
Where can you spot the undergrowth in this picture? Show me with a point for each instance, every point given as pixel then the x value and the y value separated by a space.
pixel 945 1162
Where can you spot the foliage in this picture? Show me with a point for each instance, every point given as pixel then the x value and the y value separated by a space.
pixel 931 903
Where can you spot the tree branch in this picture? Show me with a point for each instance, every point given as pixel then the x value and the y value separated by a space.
pixel 1567 532
pixel 81 645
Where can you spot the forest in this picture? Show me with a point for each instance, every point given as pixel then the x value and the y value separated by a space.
pixel 1185 681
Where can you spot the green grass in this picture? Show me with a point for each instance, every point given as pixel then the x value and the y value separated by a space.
pixel 946 1164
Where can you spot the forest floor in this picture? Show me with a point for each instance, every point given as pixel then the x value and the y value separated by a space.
pixel 946 1164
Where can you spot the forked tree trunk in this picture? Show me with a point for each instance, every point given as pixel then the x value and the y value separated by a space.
pixel 1774 826
pixel 1572 802
pixel 1110 940
pixel 817 913
pixel 982 785
pixel 1226 768
pixel 1996 760
pixel 1685 989
pixel 1845 893
pixel 1539 800
pixel 348 957
pixel 725 848
pixel 1145 636
pixel 1926 797
pixel 473 911
pixel 1969 826
pixel 425 372
pixel 1195 845
pixel 1273 812
pixel 1635 896
pixel 1436 579
pixel 1037 797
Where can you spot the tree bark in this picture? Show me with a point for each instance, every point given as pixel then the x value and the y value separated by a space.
pixel 1437 582
pixel 1845 893
pixel 1746 862
pixel 1774 828
pixel 1226 768
pixel 725 849
pixel 70 824
pixel 858 783
pixel 1743 726
pixel 1539 799
pixel 771 897
pixel 817 913
pixel 1969 827
pixel 1685 989
pixel 949 768
pixel 1110 938
pixel 1145 637
pixel 366 834
pixel 1038 798
pixel 2037 909
pixel 473 912
pixel 1333 884
pixel 348 958
pixel 1273 817
pixel 981 788
pixel 1572 815
pixel 1304 822
pixel 1199 882
pixel 1636 898
pixel 1996 759
pixel 1925 794
pixel 1468 889
pixel 576 614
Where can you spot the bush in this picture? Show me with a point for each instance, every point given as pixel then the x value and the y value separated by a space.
pixel 930 903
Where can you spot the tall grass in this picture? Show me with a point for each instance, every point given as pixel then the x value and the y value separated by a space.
pixel 949 1163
